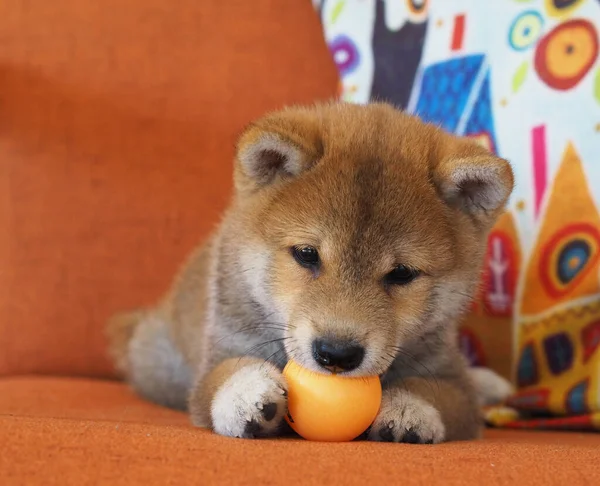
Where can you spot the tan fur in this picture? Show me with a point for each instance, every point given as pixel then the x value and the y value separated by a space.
pixel 119 332
pixel 370 188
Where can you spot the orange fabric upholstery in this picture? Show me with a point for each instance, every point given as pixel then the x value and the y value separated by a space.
pixel 118 120
pixel 117 124
pixel 74 432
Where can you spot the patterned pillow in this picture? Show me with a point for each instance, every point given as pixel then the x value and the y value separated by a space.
pixel 523 78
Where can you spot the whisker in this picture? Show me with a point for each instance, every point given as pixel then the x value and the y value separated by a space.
pixel 408 355
pixel 251 349
pixel 253 327
pixel 274 354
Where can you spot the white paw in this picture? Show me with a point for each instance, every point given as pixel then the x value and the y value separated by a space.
pixel 405 417
pixel 251 403
pixel 491 388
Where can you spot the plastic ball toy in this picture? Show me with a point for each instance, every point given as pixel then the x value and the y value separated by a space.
pixel 330 408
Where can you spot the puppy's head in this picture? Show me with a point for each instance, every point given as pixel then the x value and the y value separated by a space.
pixel 364 229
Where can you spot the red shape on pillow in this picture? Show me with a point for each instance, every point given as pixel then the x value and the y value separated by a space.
pixel 458 33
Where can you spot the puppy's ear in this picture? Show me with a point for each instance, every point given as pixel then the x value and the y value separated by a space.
pixel 478 184
pixel 277 147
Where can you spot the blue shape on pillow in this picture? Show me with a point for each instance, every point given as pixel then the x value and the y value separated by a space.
pixel 445 89
pixel 559 352
pixel 576 399
pixel 527 369
pixel 481 120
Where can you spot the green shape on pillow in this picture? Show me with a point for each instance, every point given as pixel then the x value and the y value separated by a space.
pixel 520 75
pixel 337 10
pixel 597 86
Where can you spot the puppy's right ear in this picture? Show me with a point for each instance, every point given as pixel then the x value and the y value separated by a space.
pixel 277 147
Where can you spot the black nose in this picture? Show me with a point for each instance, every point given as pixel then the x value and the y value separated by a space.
pixel 340 355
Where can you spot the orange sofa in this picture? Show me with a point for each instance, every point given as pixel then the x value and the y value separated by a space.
pixel 117 124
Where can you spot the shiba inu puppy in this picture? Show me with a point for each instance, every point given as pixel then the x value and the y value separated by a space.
pixel 353 245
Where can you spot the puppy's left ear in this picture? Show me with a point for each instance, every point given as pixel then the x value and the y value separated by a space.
pixel 277 148
pixel 478 184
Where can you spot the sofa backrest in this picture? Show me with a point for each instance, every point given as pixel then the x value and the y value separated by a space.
pixel 117 125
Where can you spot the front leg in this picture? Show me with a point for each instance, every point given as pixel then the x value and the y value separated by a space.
pixel 241 397
pixel 427 411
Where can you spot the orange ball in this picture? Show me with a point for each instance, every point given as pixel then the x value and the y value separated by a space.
pixel 330 408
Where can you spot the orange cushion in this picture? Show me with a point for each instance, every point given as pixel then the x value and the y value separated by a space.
pixel 118 123
pixel 69 431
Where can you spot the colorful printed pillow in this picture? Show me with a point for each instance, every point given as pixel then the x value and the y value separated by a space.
pixel 523 78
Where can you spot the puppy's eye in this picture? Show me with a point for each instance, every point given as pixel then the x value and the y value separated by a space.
pixel 401 275
pixel 307 256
